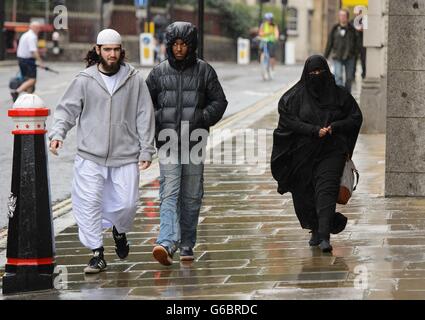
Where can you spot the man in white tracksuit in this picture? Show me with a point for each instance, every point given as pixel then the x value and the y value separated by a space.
pixel 115 131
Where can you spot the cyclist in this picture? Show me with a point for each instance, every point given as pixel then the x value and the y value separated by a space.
pixel 269 33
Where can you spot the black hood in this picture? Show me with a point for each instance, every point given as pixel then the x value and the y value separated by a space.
pixel 189 34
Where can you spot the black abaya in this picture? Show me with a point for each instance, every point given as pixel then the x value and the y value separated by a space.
pixel 308 166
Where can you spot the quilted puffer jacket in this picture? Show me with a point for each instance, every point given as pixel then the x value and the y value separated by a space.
pixel 186 90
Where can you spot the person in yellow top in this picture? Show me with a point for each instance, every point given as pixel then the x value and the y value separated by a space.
pixel 269 33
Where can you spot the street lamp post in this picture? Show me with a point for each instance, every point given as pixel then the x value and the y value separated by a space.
pixel 148 12
pixel 46 16
pixel 201 29
pixel 2 40
pixel 102 12
pixel 46 11
pixel 284 29
pixel 260 15
pixel 102 6
pixel 171 11
pixel 13 10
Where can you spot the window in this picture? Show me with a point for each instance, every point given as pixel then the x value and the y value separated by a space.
pixel 292 21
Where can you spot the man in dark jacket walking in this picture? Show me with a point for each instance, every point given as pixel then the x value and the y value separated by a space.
pixel 342 46
pixel 188 99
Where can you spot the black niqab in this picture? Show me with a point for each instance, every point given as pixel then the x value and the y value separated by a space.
pixel 321 87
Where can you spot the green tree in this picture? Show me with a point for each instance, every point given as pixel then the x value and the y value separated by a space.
pixel 239 17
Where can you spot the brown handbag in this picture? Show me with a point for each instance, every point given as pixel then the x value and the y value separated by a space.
pixel 347 186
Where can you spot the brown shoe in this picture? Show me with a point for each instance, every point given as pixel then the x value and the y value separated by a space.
pixel 162 255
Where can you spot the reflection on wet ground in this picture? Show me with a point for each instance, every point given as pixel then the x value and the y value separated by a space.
pixel 250 244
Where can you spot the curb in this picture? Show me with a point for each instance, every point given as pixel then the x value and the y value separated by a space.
pixel 8 63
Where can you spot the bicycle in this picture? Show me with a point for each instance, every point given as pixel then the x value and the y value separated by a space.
pixel 266 71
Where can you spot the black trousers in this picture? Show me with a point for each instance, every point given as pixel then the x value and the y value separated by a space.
pixel 362 56
pixel 316 191
pixel 363 61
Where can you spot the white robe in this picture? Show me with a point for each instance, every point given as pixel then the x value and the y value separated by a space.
pixel 103 193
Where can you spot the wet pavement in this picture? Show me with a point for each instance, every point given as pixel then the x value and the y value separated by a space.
pixel 250 244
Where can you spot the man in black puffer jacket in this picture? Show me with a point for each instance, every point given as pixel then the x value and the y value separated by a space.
pixel 188 99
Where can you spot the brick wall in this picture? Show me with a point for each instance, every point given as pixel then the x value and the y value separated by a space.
pixel 124 22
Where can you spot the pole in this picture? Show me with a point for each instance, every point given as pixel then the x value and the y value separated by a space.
pixel 102 5
pixel 46 12
pixel 2 39
pixel 284 31
pixel 13 11
pixel 148 12
pixel 171 11
pixel 46 17
pixel 30 241
pixel 201 29
pixel 260 16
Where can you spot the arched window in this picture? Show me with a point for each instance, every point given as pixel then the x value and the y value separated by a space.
pixel 292 23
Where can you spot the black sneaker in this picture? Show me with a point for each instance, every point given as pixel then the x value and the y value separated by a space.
pixel 314 240
pixel 325 246
pixel 163 255
pixel 97 263
pixel 186 254
pixel 122 247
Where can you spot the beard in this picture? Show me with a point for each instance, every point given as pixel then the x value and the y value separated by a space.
pixel 110 67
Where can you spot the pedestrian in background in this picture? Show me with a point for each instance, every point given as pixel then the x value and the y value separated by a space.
pixel 342 48
pixel 318 127
pixel 183 89
pixel 115 131
pixel 27 54
pixel 361 49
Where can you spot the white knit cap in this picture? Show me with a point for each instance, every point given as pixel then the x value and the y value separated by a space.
pixel 108 36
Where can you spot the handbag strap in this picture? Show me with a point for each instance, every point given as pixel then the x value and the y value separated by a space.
pixel 356 173
pixel 357 178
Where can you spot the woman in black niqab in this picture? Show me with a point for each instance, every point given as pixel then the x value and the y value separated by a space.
pixel 318 127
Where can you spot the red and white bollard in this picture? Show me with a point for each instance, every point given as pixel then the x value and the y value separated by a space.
pixel 30 240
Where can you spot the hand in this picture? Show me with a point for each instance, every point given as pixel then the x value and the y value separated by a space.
pixel 323 132
pixel 54 146
pixel 143 165
pixel 329 129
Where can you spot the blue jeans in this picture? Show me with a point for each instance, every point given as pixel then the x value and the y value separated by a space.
pixel 339 65
pixel 181 191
